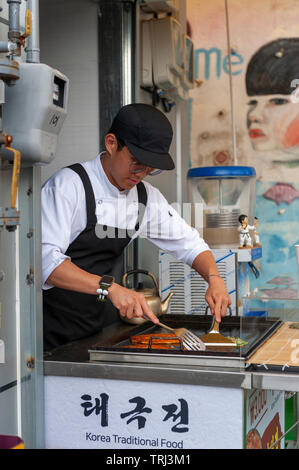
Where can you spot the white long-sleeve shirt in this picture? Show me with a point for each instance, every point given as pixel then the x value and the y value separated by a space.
pixel 64 216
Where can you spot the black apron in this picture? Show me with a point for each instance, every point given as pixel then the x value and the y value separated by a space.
pixel 70 315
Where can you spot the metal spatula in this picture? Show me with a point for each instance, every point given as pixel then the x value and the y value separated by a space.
pixel 190 340
pixel 215 338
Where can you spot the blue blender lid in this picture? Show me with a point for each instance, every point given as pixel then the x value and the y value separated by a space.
pixel 223 171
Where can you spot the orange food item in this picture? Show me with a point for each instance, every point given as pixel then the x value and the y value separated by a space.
pixel 163 338
pixel 146 346
pixel 253 440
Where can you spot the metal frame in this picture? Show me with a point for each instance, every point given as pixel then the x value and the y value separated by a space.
pixel 181 374
pixel 31 343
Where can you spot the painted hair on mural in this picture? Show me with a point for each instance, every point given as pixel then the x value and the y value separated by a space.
pixel 273 67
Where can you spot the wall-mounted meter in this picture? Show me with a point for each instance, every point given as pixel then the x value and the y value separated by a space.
pixel 34 111
pixel 168 52
pixel 187 79
pixel 147 54
pixel 161 6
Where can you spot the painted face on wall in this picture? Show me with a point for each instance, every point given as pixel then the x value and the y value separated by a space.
pixel 273 124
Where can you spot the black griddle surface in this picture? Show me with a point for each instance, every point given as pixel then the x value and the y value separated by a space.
pixel 253 330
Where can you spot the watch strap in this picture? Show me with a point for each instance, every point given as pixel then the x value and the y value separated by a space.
pixel 103 289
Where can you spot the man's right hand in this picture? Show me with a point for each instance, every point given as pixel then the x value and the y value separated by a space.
pixel 130 303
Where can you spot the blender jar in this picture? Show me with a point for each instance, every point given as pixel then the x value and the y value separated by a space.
pixel 222 193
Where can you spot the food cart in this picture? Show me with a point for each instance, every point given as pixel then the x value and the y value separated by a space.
pixel 99 394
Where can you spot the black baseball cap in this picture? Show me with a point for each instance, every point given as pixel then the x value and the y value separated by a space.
pixel 146 132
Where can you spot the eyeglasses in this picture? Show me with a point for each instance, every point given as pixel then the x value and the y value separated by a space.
pixel 136 167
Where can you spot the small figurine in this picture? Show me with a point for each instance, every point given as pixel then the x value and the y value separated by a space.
pixel 245 238
pixel 256 240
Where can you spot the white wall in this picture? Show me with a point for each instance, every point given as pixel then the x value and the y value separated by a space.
pixel 69 43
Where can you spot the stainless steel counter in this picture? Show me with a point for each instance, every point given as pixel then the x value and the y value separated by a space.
pixel 72 360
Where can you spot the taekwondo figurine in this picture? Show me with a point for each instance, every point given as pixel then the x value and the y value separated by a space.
pixel 245 238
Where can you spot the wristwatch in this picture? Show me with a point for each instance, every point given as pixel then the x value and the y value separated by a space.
pixel 105 283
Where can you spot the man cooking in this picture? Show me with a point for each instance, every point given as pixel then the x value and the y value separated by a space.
pixel 93 210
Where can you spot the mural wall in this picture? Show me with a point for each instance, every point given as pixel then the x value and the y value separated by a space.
pixel 251 117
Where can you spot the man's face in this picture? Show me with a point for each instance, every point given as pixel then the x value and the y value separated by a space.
pixel 124 171
pixel 273 123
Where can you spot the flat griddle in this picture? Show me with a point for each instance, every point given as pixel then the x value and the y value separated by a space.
pixel 251 329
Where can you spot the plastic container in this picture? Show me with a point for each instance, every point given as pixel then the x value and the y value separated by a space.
pixel 223 193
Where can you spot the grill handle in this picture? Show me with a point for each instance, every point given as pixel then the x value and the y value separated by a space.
pixel 139 271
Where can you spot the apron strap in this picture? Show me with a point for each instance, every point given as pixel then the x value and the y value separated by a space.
pixel 89 194
pixel 90 200
pixel 142 201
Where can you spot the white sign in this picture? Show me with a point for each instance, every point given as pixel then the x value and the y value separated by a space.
pixel 89 413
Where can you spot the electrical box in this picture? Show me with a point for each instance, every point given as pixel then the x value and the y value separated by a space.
pixel 34 111
pixel 168 52
pixel 167 58
pixel 147 54
pixel 159 6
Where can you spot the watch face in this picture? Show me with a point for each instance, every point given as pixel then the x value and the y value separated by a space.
pixel 107 280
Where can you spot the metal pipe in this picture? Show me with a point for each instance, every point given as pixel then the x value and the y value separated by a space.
pixel 178 165
pixel 32 46
pixel 283 435
pixel 8 46
pixel 231 86
pixel 127 56
pixel 128 96
pixel 14 19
